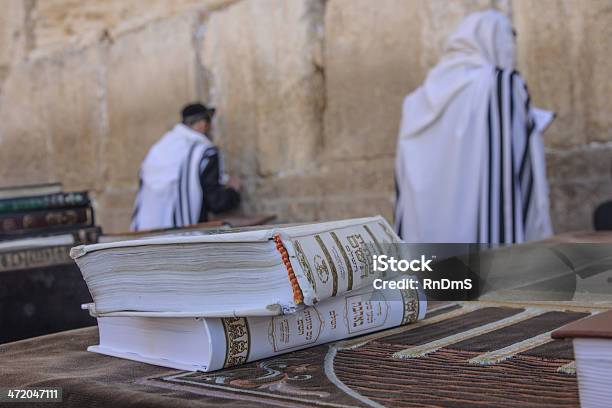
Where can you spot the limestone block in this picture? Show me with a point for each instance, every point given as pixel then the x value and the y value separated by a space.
pixel 50 116
pixel 288 187
pixel 327 208
pixel 572 204
pixel 13 34
pixel 258 57
pixel 582 164
pixel 368 176
pixel 597 62
pixel 357 205
pixel 338 190
pixel 73 22
pixel 372 59
pixel 290 211
pixel 150 76
pixel 373 176
pixel 565 54
pixel 580 180
pixel 375 54
pixel 113 209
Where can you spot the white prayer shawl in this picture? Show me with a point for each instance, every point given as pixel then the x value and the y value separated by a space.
pixel 170 193
pixel 470 159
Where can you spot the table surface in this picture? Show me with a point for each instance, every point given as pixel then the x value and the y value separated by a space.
pixel 496 353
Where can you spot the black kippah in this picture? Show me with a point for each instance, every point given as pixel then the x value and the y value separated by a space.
pixel 197 110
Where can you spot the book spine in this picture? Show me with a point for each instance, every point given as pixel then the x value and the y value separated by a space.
pixel 298 296
pixel 238 340
pixel 15 223
pixel 334 262
pixel 50 201
pixel 35 258
pixel 82 234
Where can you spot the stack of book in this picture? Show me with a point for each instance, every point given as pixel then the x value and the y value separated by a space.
pixel 39 282
pixel 43 210
pixel 209 301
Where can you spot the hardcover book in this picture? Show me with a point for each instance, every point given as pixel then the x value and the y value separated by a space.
pixel 80 234
pixel 39 252
pixel 33 221
pixel 35 258
pixel 208 344
pixel 253 273
pixel 43 202
pixel 41 286
pixel 30 190
pixel 592 338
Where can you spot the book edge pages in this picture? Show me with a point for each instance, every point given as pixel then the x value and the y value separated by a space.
pixel 250 236
pixel 201 333
pixel 593 359
pixel 271 311
pixel 142 359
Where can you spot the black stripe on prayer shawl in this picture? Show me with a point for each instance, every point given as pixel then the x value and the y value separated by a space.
pixel 529 187
pixel 528 129
pixel 180 198
pixel 188 169
pixel 137 204
pixel 478 222
pixel 502 226
pixel 490 172
pixel 526 171
pixel 512 174
pixel 399 220
pixel 527 202
pixel 524 156
pixel 525 186
pixel 208 153
pixel 510 164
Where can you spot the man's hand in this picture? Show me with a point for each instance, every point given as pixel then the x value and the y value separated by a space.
pixel 235 183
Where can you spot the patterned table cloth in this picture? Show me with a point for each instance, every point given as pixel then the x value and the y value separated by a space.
pixel 463 354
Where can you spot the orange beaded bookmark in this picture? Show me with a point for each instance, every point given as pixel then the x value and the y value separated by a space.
pixel 298 296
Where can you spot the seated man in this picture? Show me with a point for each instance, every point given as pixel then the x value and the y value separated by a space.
pixel 181 178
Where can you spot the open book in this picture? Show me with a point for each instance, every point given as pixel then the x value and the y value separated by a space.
pixel 254 273
pixel 207 344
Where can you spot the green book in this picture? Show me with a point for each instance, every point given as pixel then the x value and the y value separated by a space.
pixel 44 202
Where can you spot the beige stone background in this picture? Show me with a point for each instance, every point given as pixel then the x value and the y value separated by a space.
pixel 308 94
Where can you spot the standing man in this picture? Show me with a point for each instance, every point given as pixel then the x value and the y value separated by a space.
pixel 181 178
pixel 470 160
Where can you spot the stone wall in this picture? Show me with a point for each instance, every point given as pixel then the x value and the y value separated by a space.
pixel 308 94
